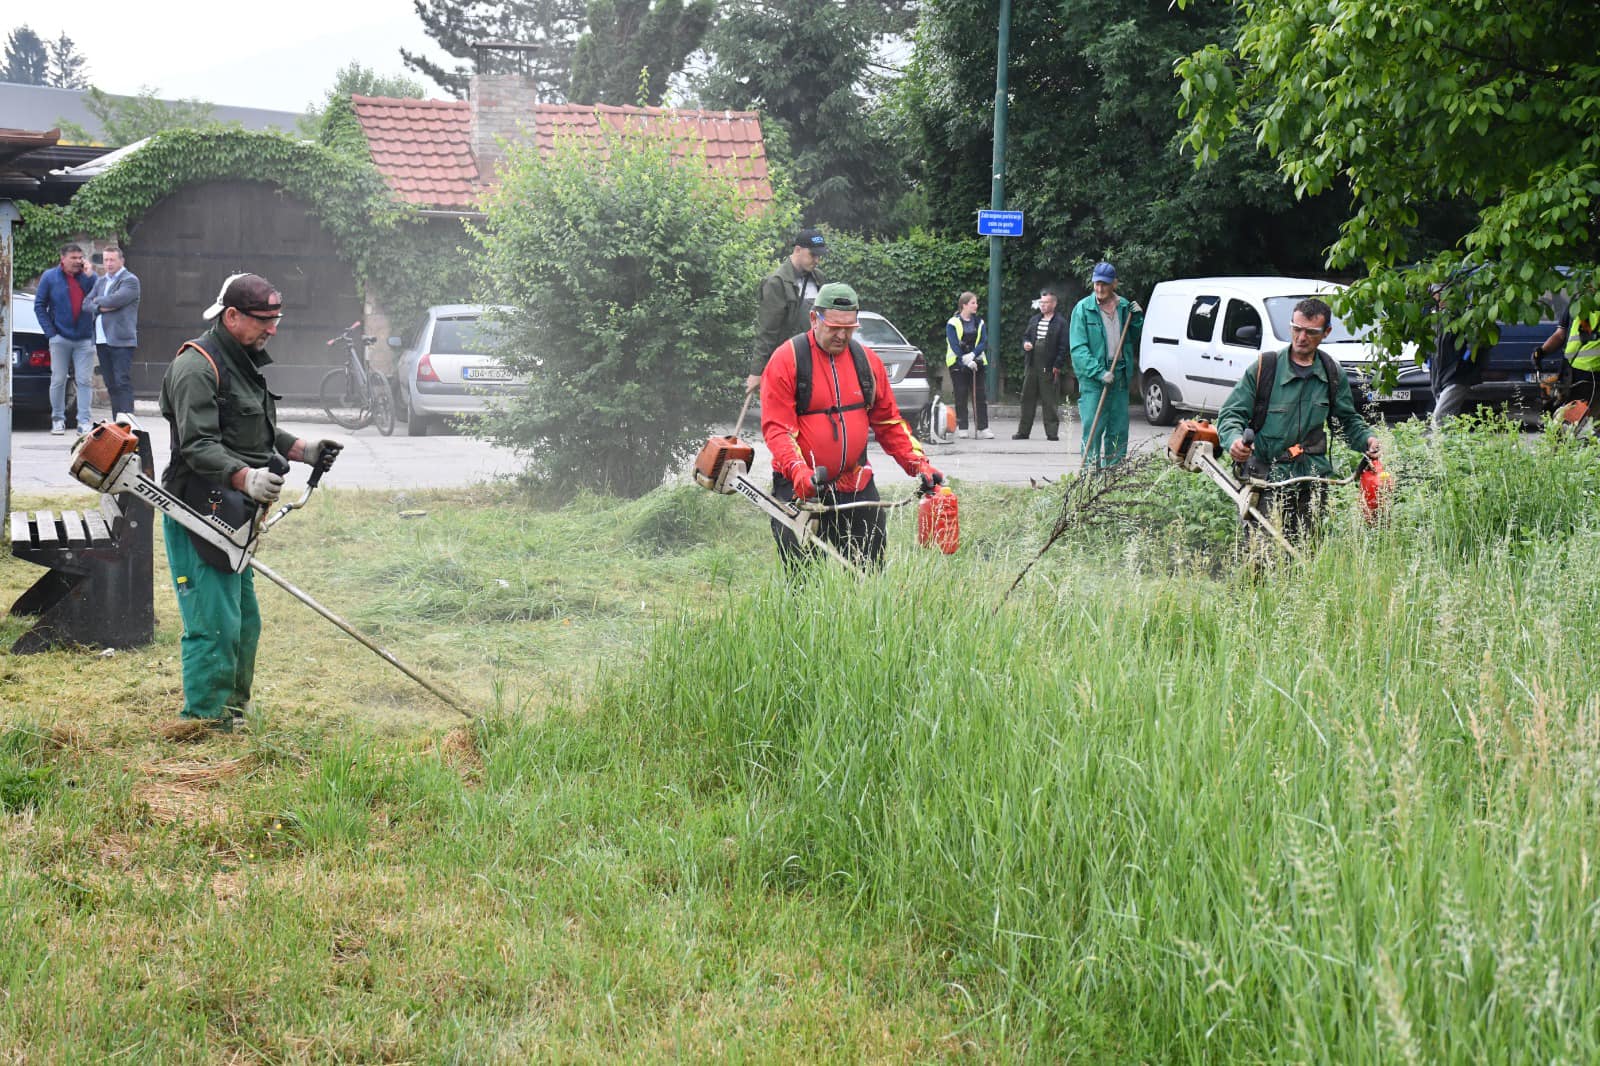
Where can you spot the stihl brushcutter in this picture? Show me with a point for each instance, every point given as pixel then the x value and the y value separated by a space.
pixel 106 460
pixel 723 465
pixel 1194 445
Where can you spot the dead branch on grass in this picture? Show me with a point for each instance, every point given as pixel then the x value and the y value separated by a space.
pixel 1116 496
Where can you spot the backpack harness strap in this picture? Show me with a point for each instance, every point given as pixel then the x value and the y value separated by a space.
pixel 1267 379
pixel 800 345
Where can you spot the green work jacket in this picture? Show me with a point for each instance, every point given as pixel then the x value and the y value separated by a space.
pixel 1087 333
pixel 1298 413
pixel 218 428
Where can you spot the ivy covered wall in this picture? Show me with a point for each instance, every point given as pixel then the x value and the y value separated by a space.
pixel 402 261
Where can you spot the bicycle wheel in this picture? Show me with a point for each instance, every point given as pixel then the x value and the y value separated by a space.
pixel 340 399
pixel 382 402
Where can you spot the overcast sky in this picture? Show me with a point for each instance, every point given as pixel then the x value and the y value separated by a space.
pixel 283 58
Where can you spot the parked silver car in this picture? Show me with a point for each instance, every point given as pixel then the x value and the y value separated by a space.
pixel 445 368
pixel 908 370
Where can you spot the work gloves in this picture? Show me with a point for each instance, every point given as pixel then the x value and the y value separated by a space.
pixel 323 451
pixel 262 485
pixel 805 485
pixel 1108 377
pixel 969 361
pixel 931 478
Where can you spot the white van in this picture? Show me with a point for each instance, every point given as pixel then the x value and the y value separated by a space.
pixel 1201 334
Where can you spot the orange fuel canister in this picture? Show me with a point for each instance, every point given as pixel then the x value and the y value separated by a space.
pixel 939 520
pixel 1376 484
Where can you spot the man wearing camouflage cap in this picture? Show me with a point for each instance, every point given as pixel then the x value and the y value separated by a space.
pixel 227 453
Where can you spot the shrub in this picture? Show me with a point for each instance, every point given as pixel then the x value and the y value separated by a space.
pixel 631 274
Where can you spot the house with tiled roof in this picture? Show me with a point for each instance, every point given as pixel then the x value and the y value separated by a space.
pixel 442 155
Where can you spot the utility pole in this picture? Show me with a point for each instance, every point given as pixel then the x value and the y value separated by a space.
pixel 997 190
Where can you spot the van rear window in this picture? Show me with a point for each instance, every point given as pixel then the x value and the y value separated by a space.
pixel 1203 318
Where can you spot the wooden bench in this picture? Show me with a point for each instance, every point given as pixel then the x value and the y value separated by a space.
pixel 98 588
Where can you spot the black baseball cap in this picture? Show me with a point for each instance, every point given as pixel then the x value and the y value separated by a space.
pixel 811 239
pixel 246 292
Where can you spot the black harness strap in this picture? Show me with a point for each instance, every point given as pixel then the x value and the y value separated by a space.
pixel 801 347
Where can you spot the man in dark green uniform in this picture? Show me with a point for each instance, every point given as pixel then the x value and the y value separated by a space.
pixel 786 298
pixel 225 443
pixel 1309 395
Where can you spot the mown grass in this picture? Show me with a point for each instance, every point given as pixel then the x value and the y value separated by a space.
pixel 1164 803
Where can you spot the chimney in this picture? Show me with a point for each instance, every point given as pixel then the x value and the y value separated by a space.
pixel 502 108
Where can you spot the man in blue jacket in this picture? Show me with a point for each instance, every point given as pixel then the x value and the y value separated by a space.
pixel 116 301
pixel 66 315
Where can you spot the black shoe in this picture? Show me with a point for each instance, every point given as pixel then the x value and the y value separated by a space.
pixel 1051 436
pixel 1019 436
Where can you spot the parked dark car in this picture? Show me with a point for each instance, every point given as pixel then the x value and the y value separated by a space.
pixel 1510 382
pixel 30 365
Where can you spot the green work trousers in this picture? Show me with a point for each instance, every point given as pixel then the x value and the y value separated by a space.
pixel 221 627
pixel 1110 442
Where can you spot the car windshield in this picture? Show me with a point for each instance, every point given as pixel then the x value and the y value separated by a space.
pixel 876 332
pixel 1279 308
pixel 463 336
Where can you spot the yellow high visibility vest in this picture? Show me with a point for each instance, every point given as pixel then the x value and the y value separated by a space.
pixel 1583 354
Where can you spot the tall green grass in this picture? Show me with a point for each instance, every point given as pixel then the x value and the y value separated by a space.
pixel 1338 811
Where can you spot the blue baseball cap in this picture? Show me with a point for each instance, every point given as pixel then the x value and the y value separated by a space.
pixel 1105 272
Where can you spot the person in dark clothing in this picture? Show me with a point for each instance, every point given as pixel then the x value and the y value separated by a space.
pixel 1454 369
pixel 1044 362
pixel 786 297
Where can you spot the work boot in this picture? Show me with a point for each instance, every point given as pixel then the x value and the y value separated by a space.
pixel 1019 436
pixel 1051 436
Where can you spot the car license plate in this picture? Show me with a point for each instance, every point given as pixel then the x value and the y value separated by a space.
pixel 1399 394
pixel 485 373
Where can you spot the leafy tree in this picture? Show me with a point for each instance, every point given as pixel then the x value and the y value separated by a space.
pixel 125 119
pixel 1407 102
pixel 27 60
pixel 1093 144
pixel 550 26
pixel 811 68
pixel 333 122
pixel 632 276
pixel 68 69
pixel 628 37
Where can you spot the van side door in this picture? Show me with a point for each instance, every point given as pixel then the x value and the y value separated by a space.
pixel 1203 385
pixel 1240 343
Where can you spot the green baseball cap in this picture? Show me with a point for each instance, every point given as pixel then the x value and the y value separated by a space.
pixel 836 296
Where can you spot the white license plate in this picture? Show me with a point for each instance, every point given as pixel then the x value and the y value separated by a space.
pixel 485 373
pixel 1399 394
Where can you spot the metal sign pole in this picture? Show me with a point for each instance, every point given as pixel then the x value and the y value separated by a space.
pixel 8 216
pixel 997 192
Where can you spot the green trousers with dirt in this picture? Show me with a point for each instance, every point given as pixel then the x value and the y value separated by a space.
pixel 1109 445
pixel 221 628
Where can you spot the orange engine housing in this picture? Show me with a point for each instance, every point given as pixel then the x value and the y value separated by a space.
pixel 96 458
pixel 715 457
pixel 1186 433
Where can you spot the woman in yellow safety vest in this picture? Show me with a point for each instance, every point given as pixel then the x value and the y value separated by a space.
pixel 1582 351
pixel 966 347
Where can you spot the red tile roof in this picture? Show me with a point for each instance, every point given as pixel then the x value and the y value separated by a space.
pixel 424 147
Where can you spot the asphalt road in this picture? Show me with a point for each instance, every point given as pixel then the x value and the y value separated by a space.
pixel 372 461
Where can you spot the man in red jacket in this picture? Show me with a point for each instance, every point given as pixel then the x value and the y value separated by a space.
pixel 819 442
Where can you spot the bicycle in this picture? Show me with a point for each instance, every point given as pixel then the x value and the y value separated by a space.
pixel 355 395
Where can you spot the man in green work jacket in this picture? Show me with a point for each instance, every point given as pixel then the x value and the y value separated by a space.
pixel 1104 337
pixel 227 453
pixel 1307 394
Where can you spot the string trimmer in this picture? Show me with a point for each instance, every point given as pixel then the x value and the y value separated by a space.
pixel 106 460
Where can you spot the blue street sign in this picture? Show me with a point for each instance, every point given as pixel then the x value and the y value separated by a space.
pixel 999 223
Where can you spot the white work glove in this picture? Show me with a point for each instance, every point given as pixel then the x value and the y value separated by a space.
pixel 969 361
pixel 262 485
pixel 1108 377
